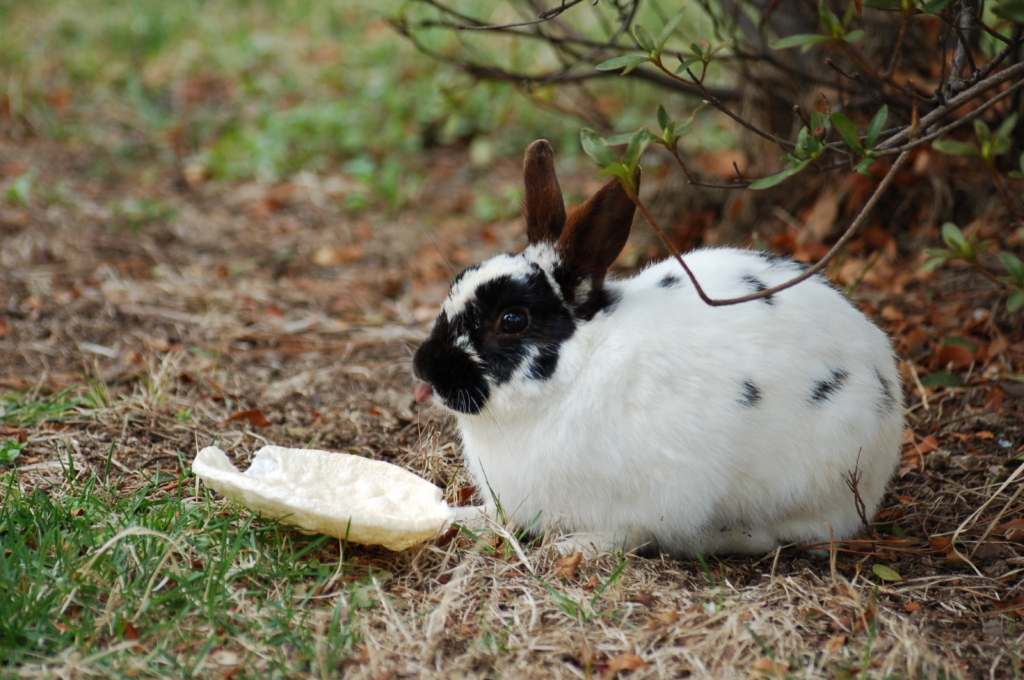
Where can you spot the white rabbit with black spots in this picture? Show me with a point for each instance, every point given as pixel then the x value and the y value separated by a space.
pixel 634 413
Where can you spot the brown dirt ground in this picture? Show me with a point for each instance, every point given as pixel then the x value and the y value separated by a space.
pixel 274 298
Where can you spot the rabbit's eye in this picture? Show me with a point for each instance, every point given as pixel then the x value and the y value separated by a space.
pixel 514 321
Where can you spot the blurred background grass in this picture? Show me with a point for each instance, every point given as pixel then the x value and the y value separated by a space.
pixel 241 89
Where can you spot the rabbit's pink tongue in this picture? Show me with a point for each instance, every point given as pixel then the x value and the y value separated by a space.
pixel 423 393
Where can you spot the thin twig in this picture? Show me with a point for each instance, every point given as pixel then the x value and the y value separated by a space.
pixel 544 16
pixel 807 273
pixel 1009 73
pixel 966 118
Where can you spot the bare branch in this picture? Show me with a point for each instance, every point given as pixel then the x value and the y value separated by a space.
pixel 547 15
pixel 807 273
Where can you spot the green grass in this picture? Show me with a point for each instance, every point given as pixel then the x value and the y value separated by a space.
pixel 159 579
pixel 242 89
pixel 247 89
pixel 26 410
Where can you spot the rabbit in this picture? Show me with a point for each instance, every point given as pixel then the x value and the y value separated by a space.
pixel 634 413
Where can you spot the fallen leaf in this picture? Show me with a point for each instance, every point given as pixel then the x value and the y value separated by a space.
pixel 330 256
pixel 644 597
pixel 835 643
pixel 1012 530
pixel 666 618
pixel 766 665
pixel 5 328
pixel 592 583
pixel 464 495
pixel 254 416
pixel 940 544
pixel 1015 605
pixel 953 356
pixel 885 573
pixel 626 662
pixel 130 631
pixel 567 566
pixel 913 607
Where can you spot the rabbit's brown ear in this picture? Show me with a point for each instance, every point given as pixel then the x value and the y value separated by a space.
pixel 595 234
pixel 543 205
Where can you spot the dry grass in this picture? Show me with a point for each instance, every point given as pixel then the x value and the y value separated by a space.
pixel 171 331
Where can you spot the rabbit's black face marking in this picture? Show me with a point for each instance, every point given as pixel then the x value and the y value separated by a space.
pixel 668 281
pixel 520 319
pixel 888 400
pixel 456 379
pixel 751 394
pixel 824 389
pixel 502 318
pixel 758 286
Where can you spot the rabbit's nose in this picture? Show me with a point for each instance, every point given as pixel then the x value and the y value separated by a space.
pixel 423 393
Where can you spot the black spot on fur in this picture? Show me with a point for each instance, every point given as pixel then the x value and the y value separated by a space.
pixel 758 286
pixel 795 267
pixel 668 281
pixel 823 389
pixel 888 402
pixel 751 393
pixel 782 262
pixel 544 365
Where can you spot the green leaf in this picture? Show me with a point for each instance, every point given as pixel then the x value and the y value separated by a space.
pixel 957 148
pixel 961 342
pixel 933 6
pixel 687 63
pixel 805 40
pixel 620 139
pixel 1013 265
pixel 1015 301
pixel 875 128
pixel 597 148
pixel 645 39
pixel 637 144
pixel 720 46
pixel 885 573
pixel 669 27
pixel 864 167
pixel 847 130
pixel 942 380
pixel 854 36
pixel 1019 174
pixel 1010 9
pixel 829 21
pixel 953 237
pixel 626 61
pixel 820 121
pixel 663 119
pixel 9 450
pixel 982 131
pixel 1002 136
pixel 803 143
pixel 772 180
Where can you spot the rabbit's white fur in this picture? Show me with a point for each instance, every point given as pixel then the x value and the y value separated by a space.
pixel 633 412
pixel 642 434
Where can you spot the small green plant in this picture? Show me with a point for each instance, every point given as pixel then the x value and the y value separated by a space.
pixel 969 248
pixel 19 193
pixel 990 144
pixel 9 451
pixel 136 213
pixel 837 30
pixel 18 411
